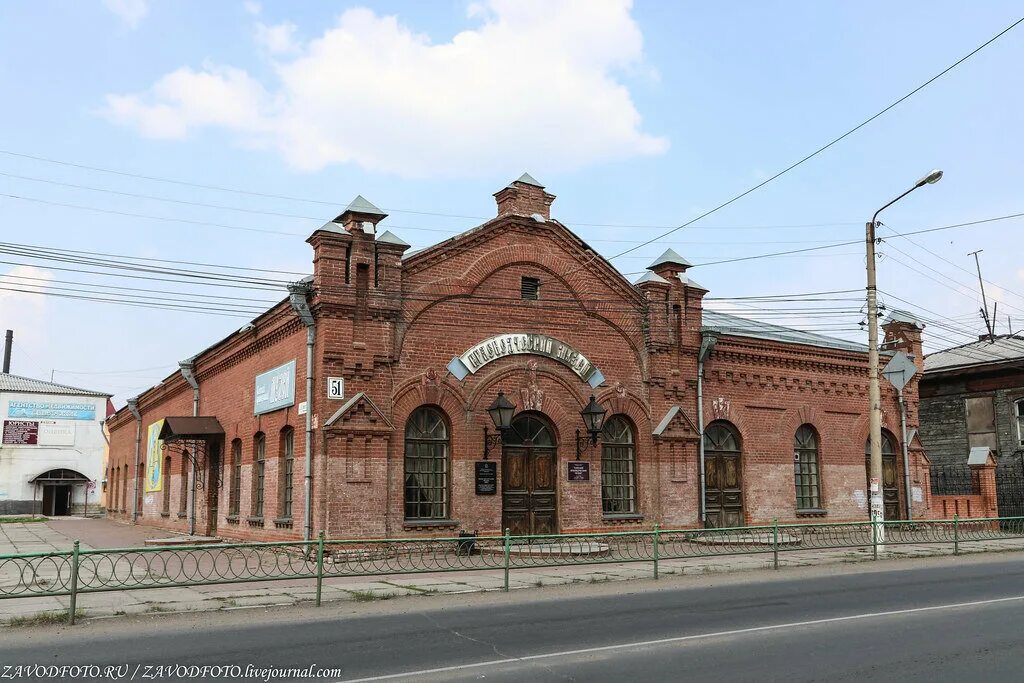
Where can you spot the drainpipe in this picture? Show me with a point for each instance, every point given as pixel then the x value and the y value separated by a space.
pixel 906 456
pixel 188 372
pixel 707 342
pixel 298 296
pixel 133 408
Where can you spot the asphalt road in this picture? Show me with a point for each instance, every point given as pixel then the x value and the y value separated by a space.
pixel 946 619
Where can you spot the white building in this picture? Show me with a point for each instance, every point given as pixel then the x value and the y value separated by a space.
pixel 53 447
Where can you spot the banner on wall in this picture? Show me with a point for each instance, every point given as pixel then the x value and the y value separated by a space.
pixel 154 457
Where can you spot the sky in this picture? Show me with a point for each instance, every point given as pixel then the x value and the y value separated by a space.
pixel 639 116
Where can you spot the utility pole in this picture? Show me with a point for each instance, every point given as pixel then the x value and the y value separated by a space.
pixel 8 343
pixel 874 390
pixel 984 301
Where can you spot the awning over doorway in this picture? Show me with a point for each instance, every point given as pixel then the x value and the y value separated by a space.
pixel 192 428
pixel 60 476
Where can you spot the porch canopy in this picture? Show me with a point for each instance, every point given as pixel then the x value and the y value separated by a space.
pixel 190 428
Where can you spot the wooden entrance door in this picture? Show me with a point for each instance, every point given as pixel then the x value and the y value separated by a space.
pixel 890 475
pixel 723 472
pixel 529 503
pixel 213 478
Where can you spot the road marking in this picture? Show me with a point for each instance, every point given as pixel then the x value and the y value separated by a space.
pixel 681 639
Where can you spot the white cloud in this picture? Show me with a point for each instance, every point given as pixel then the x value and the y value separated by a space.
pixel 278 39
pixel 131 12
pixel 533 85
pixel 252 7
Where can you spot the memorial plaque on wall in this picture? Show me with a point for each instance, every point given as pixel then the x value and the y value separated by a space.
pixel 21 433
pixel 579 470
pixel 486 477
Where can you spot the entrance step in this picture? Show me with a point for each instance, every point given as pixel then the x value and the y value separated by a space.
pixel 183 540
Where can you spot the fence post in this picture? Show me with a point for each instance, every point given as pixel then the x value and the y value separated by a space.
pixel 74 583
pixel 874 536
pixel 775 542
pixel 319 566
pixel 956 534
pixel 508 549
pixel 657 547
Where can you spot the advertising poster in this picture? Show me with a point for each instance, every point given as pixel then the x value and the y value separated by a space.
pixel 154 457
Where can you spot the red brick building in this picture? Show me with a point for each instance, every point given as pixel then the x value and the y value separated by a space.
pixel 424 342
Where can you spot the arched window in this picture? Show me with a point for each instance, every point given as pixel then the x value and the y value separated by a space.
pixel 888 444
pixel 426 465
pixel 235 485
pixel 285 470
pixel 805 468
pixel 618 467
pixel 259 473
pixel 183 494
pixel 167 486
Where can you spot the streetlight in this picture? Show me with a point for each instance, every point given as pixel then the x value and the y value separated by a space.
pixel 593 417
pixel 501 412
pixel 874 391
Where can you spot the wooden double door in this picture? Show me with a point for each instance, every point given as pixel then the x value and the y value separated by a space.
pixel 890 485
pixel 529 457
pixel 723 477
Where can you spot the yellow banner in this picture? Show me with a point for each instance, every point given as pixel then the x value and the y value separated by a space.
pixel 154 457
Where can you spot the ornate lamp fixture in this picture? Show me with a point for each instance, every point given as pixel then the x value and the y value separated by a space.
pixel 593 417
pixel 501 411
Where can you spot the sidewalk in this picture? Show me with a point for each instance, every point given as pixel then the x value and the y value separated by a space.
pixel 58 535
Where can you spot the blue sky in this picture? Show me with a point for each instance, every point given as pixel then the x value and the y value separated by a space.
pixel 638 115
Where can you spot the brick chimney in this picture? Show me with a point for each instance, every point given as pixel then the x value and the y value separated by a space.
pixel 524 197
pixel 902 332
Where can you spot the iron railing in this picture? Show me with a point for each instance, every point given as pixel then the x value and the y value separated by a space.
pixel 77 571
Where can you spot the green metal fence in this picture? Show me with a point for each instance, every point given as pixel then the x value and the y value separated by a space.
pixel 76 572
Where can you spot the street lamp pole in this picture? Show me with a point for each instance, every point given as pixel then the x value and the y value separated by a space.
pixel 874 389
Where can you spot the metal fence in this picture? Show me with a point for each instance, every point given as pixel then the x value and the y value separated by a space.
pixel 77 571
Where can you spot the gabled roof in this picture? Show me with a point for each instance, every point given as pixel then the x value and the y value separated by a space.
pixel 670 256
pixel 528 180
pixel 1005 348
pixel 724 323
pixel 15 383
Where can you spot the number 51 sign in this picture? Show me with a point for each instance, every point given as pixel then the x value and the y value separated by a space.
pixel 335 387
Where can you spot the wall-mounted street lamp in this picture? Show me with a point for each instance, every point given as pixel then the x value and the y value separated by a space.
pixel 501 411
pixel 593 417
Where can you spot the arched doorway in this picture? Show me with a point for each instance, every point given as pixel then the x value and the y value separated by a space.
pixel 528 461
pixel 58 490
pixel 890 474
pixel 723 472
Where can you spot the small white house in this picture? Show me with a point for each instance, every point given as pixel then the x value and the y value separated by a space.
pixel 53 447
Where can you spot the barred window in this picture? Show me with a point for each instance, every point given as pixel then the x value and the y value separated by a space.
pixel 235 488
pixel 286 469
pixel 167 486
pixel 183 494
pixel 259 470
pixel 1019 409
pixel 805 468
pixel 426 465
pixel 618 467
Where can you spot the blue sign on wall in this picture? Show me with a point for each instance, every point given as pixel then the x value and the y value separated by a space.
pixel 35 410
pixel 275 389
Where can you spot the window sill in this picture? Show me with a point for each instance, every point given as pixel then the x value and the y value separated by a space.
pixel 165 514
pixel 811 513
pixel 430 524
pixel 283 523
pixel 254 521
pixel 182 515
pixel 623 517
pixel 231 519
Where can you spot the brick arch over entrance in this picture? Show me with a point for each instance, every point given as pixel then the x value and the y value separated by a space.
pixel 486 389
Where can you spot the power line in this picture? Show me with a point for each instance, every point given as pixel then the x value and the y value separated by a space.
pixel 838 139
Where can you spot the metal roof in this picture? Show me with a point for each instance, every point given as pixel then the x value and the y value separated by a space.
pixel 189 427
pixel 528 180
pixel 389 237
pixel 651 277
pixel 27 385
pixel 361 205
pixel 984 352
pixel 670 256
pixel 724 323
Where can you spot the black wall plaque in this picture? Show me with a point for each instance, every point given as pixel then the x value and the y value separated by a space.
pixel 579 470
pixel 486 477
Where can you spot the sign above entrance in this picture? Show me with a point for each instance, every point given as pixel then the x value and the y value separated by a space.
pixel 518 343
